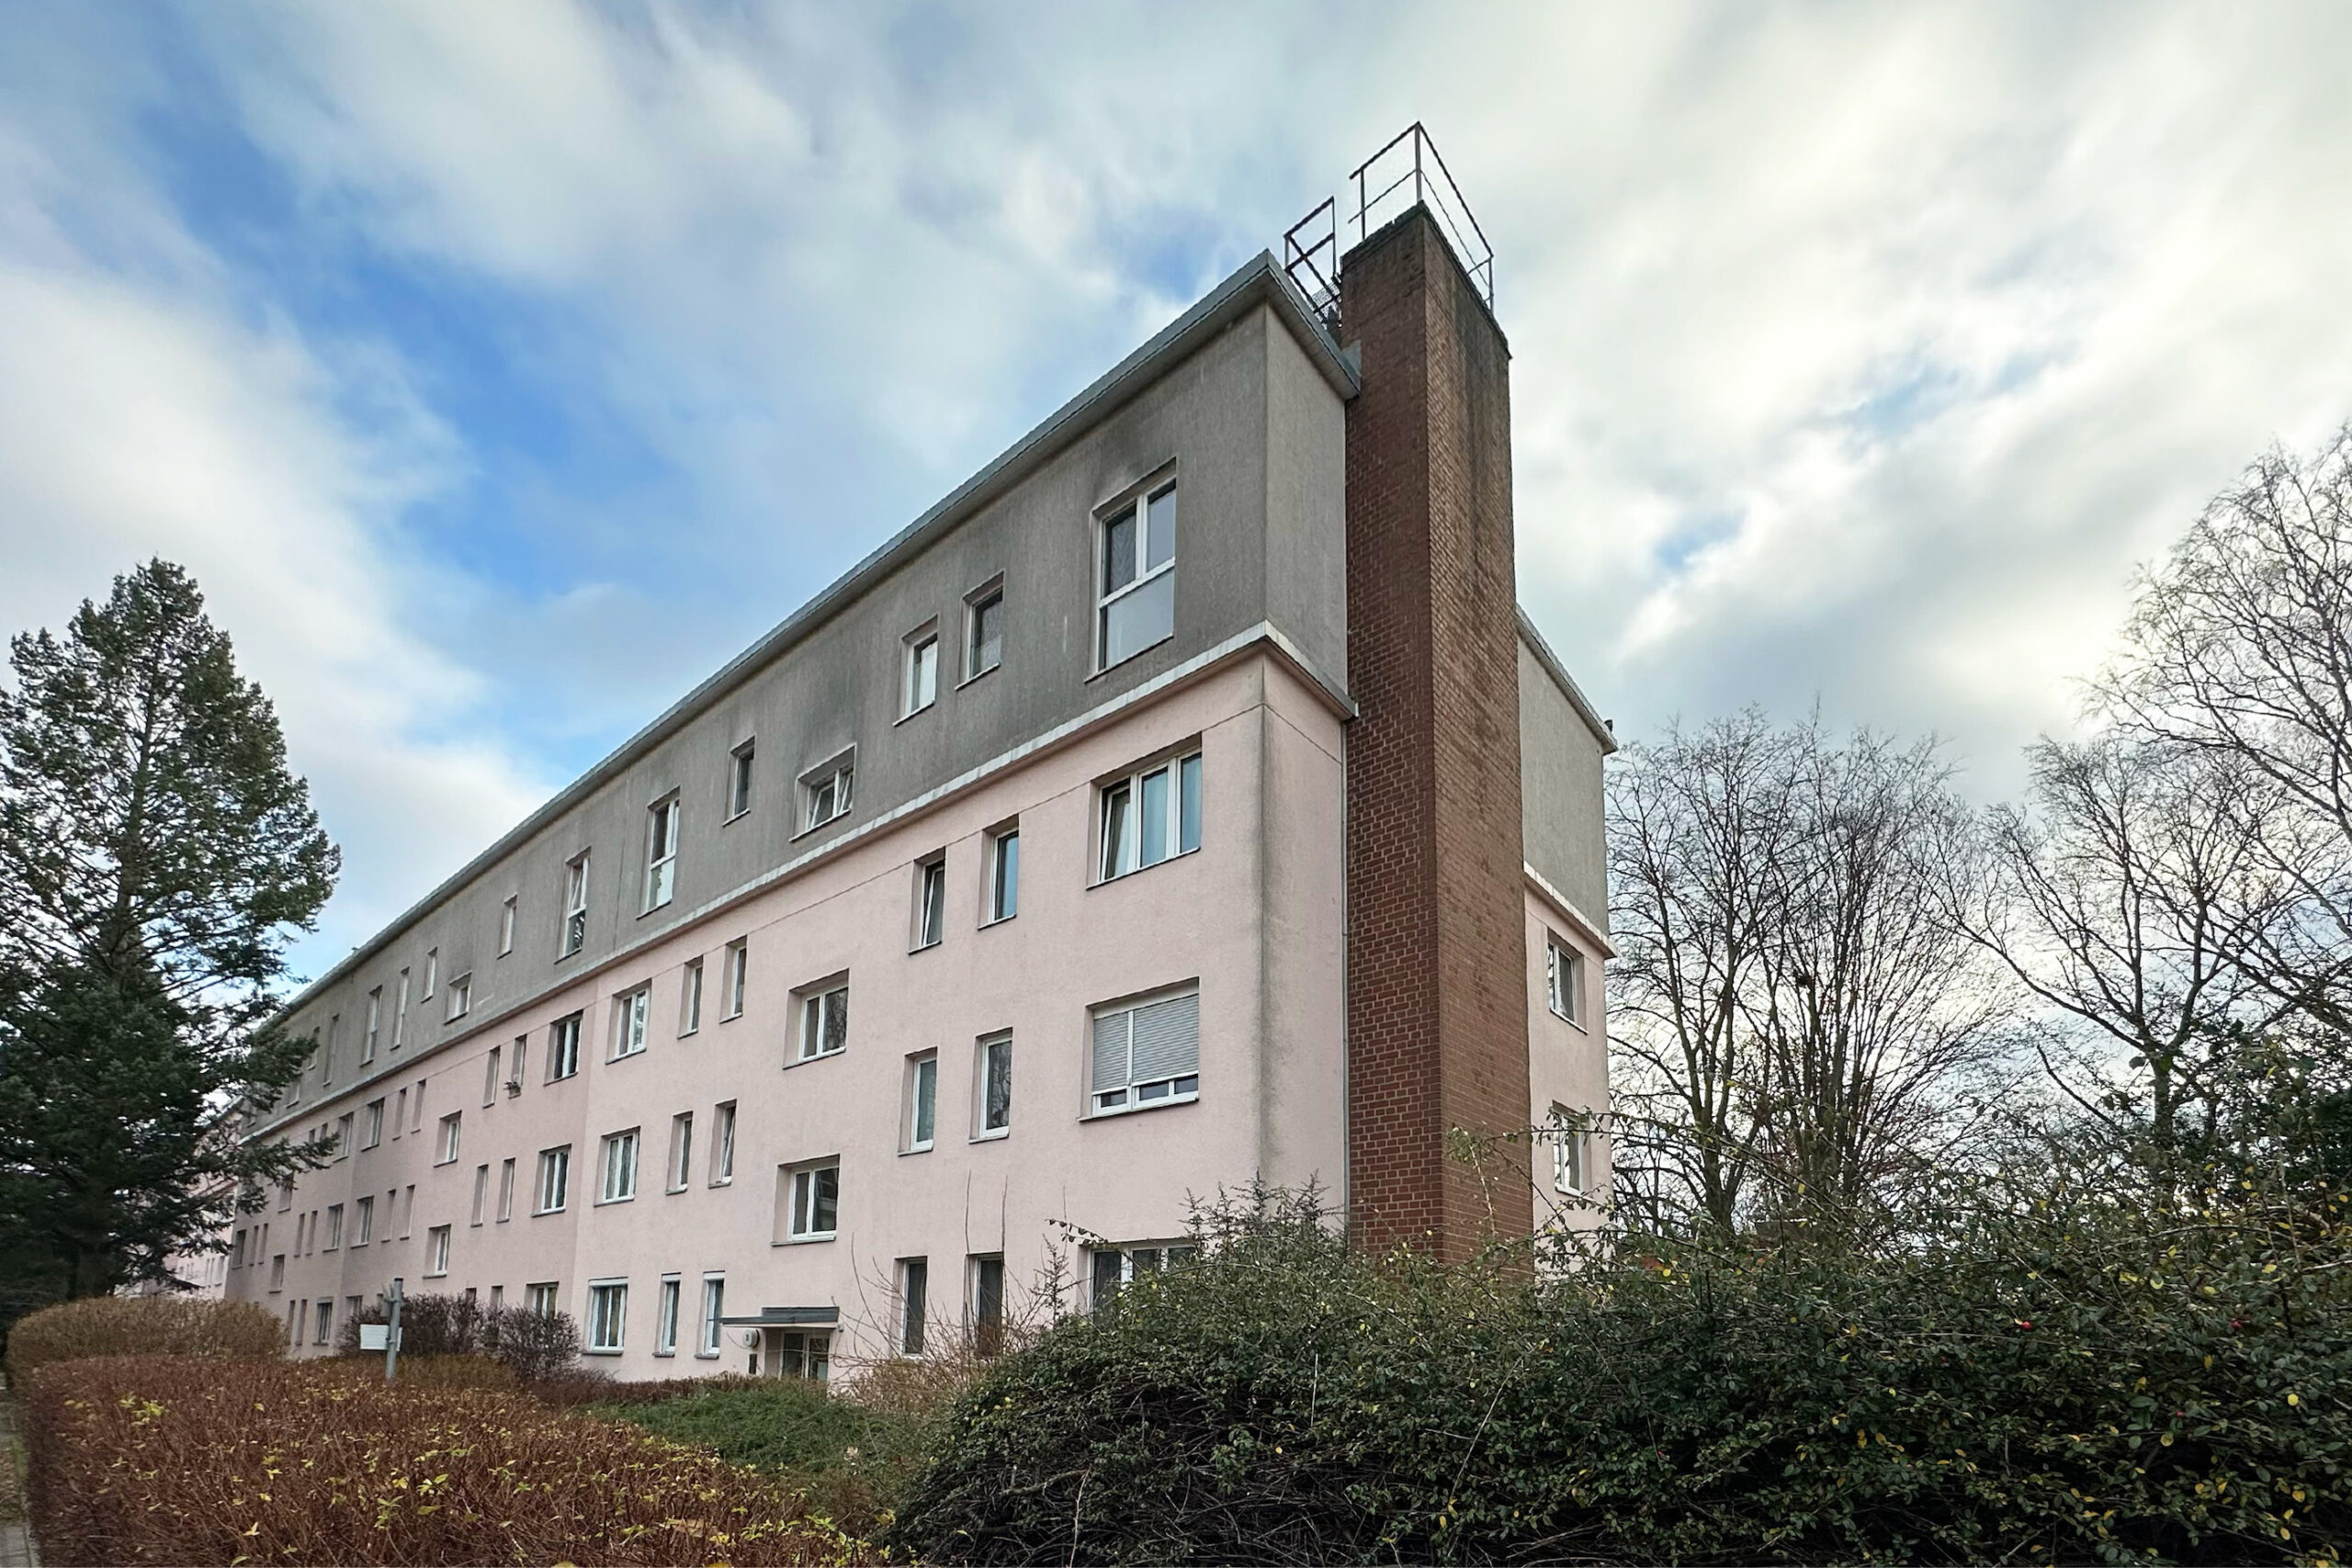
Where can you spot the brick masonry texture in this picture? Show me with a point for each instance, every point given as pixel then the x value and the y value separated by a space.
pixel 1437 1002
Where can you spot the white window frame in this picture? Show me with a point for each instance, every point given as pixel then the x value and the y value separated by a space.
pixel 914 1305
pixel 363 1220
pixel 563 1047
pixel 461 996
pixel 986 1050
pixel 931 902
pixel 505 1190
pixel 617 1165
pixel 919 1123
pixel 722 1143
pixel 682 1152
pixel 481 1195
pixel 335 1227
pixel 712 1338
pixel 608 1313
pixel 1130 1091
pixel 544 1299
pixel 814 1008
pixel 690 998
pixel 632 1021
pixel 432 974
pixel 1137 507
pixel 806 1192
pixel 1121 813
pixel 554 1181
pixel 452 1129
pixel 492 1061
pixel 375 1110
pixel 665 1315
pixel 662 824
pixel 506 924
pixel 1003 891
pixel 1563 979
pixel 1134 1257
pixel 375 1025
pixel 828 791
pixel 573 935
pixel 518 1059
pixel 1571 1141
pixel 735 977
pixel 343 1137
pixel 400 1014
pixel 740 763
pixel 437 1252
pixel 919 665
pixel 979 656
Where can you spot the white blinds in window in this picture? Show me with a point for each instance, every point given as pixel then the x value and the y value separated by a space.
pixel 1159 1040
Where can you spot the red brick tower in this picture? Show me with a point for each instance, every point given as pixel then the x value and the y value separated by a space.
pixel 1437 1003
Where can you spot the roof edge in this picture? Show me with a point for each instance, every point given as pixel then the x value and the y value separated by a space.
pixel 1257 281
pixel 1568 684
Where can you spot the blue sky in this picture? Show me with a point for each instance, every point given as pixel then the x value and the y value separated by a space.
pixel 499 370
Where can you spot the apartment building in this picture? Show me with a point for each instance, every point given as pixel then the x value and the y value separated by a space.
pixel 1184 799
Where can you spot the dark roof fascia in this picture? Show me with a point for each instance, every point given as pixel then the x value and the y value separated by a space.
pixel 1566 683
pixel 1257 281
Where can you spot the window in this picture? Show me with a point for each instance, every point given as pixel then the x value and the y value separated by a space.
pixel 662 853
pixel 631 1014
pixel 505 1190
pixel 995 1097
pixel 563 1047
pixel 722 1148
pixel 923 1102
pixel 575 907
pixel 375 1026
pixel 555 1178
pixel 1136 607
pixel 481 1195
pixel 1571 1151
pixel 335 1226
pixel 408 1209
pixel 431 972
pixel 540 1299
pixel 343 1134
pixel 1151 816
pixel 690 999
pixel 824 1019
pixel 399 1014
pixel 449 1139
pixel 362 1222
pixel 930 901
pixel 988 1303
pixel 738 782
pixel 665 1317
pixel 714 1307
pixel 1563 979
pixel 489 1075
pixel 738 968
pixel 326 1053
pixel 507 926
pixel 815 1202
pixel 681 1150
pixel 608 1313
pixel 436 1251
pixel 922 669
pixel 418 1103
pixel 516 1053
pixel 914 1285
pixel 278 1271
pixel 1004 875
pixel 620 1168
pixel 324 1320
pixel 461 997
pixel 1110 1268
pixel 827 792
pixel 1146 1054
pixel 984 630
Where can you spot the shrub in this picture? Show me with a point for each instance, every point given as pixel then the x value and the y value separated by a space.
pixel 533 1346
pixel 2041 1379
pixel 142 1325
pixel 156 1460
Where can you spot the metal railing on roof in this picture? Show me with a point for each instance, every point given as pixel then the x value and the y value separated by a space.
pixel 1408 171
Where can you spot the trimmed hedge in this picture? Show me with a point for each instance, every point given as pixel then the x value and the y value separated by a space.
pixel 142 1325
pixel 2032 1386
pixel 161 1459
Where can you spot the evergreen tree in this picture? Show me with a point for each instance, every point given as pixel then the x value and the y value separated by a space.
pixel 156 856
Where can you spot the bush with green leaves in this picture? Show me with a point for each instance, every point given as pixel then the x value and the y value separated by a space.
pixel 2032 1376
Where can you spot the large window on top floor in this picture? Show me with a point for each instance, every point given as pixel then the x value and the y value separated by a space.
pixel 1136 580
pixel 1151 815
pixel 825 791
pixel 661 854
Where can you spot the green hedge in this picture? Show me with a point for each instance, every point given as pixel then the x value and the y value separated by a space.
pixel 2028 1385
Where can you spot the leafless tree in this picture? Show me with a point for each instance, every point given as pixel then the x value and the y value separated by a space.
pixel 2239 649
pixel 1796 1020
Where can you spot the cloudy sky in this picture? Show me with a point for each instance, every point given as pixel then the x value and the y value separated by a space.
pixel 501 369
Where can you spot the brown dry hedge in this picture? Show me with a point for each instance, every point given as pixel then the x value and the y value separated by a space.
pixel 142 1325
pixel 164 1459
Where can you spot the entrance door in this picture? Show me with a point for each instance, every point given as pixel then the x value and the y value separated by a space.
pixel 796 1353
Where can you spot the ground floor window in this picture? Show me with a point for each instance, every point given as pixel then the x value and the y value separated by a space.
pixel 1112 1268
pixel 792 1353
pixel 608 1313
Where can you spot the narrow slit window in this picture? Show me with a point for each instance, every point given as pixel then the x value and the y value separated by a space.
pixel 739 781
pixel 575 907
pixel 661 854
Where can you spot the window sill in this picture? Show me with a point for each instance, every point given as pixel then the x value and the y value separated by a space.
pixel 807 1240
pixel 926 946
pixel 543 1213
pixel 998 1135
pixel 815 827
pixel 998 920
pixel 706 1355
pixel 1130 658
pixel 819 1056
pixel 673 1191
pixel 734 816
pixel 1138 871
pixel 654 909
pixel 1161 1104
pixel 609 1203
pixel 624 1056
pixel 979 674
pixel 687 1033
pixel 1572 1023
pixel 664 1355
pixel 918 1149
pixel 608 1350
pixel 914 713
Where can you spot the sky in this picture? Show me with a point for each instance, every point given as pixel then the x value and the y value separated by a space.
pixel 501 370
